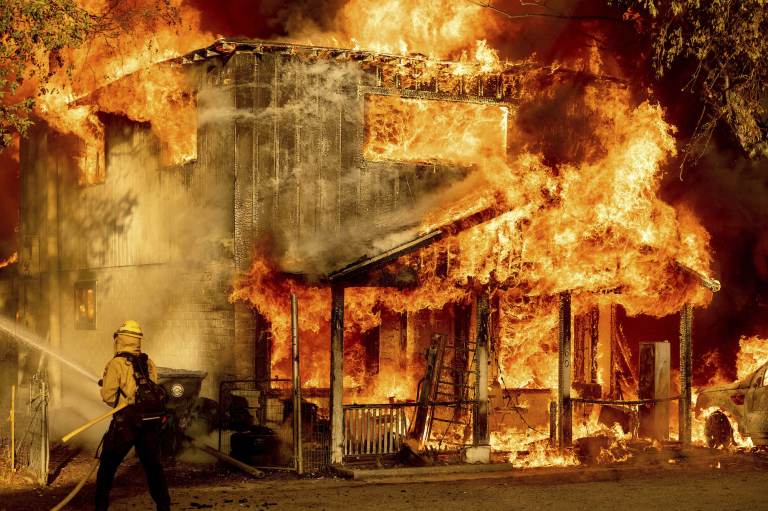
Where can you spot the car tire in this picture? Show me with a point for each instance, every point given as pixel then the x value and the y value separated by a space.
pixel 718 430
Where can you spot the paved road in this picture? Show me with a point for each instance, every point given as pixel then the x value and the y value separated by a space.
pixel 666 488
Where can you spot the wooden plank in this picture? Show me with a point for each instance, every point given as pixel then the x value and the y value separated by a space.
pixel 564 424
pixel 337 374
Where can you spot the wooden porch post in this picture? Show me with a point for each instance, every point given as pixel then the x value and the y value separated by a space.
pixel 481 435
pixel 564 422
pixel 337 374
pixel 684 404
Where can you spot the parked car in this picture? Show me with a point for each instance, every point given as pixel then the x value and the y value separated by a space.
pixel 746 401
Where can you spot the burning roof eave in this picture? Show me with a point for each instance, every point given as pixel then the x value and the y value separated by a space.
pixel 364 265
pixel 225 47
pixel 353 273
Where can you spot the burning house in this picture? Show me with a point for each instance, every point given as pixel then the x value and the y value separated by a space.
pixel 459 236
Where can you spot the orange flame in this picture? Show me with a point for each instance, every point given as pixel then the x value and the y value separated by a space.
pixel 438 29
pixel 753 352
pixel 467 131
pixel 159 96
pixel 13 259
pixel 596 227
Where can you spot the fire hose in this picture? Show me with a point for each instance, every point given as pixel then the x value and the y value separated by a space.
pixel 79 486
pixel 66 438
pixel 209 450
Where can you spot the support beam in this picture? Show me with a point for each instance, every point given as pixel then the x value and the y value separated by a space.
pixel 52 246
pixel 298 452
pixel 553 424
pixel 564 422
pixel 684 410
pixel 481 435
pixel 403 361
pixel 337 374
pixel 653 383
pixel 603 352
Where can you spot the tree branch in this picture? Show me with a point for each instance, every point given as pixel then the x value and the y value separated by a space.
pixel 557 16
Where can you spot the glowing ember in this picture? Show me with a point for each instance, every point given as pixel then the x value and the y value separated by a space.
pixel 529 451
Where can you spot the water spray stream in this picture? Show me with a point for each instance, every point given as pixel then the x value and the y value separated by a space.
pixel 22 334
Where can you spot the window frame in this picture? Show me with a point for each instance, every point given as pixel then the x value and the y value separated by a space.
pixel 85 322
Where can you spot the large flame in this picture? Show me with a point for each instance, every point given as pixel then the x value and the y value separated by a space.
pixel 467 131
pixel 438 29
pixel 594 226
pixel 597 229
pixel 13 259
pixel 74 95
pixel 753 352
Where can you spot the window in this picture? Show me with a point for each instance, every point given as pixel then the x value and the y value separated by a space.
pixel 91 164
pixel 85 305
pixel 427 130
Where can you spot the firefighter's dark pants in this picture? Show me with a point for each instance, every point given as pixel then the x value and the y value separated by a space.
pixel 126 431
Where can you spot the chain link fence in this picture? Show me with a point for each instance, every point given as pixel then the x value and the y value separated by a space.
pixel 24 441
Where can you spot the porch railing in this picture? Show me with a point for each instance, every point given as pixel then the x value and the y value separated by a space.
pixel 375 429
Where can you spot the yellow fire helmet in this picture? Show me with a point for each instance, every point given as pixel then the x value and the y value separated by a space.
pixel 131 329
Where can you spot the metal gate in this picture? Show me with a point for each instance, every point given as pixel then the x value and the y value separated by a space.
pixel 256 425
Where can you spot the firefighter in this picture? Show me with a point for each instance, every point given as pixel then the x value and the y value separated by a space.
pixel 129 428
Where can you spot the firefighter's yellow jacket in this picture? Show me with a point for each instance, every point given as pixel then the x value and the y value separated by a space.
pixel 118 374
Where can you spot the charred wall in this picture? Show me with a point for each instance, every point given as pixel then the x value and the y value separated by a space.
pixel 305 196
pixel 280 169
pixel 151 243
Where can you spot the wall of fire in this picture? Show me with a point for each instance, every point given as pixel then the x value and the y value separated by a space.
pixel 280 165
pixel 110 232
pixel 306 192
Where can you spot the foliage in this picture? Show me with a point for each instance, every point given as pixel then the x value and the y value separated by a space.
pixel 36 36
pixel 724 43
pixel 33 34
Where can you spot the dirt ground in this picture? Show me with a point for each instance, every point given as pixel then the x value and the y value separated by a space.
pixel 708 483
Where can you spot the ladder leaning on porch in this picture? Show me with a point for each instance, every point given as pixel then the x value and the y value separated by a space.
pixel 453 393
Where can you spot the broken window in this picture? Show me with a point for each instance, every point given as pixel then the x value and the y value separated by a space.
pixel 89 158
pixel 427 130
pixel 91 164
pixel 85 305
